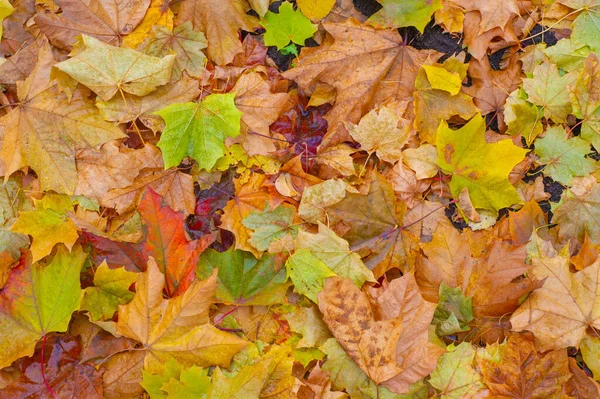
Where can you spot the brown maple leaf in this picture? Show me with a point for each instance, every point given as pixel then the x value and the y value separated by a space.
pixel 106 20
pixel 523 373
pixel 220 20
pixel 389 342
pixel 357 60
pixel 489 278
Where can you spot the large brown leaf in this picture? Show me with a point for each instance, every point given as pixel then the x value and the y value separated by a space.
pixel 561 311
pixel 106 20
pixel 176 328
pixel 389 342
pixel 354 59
pixel 46 130
pixel 372 226
pixel 220 21
pixel 523 373
pixel 488 278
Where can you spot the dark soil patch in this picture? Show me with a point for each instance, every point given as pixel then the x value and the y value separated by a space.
pixel 548 37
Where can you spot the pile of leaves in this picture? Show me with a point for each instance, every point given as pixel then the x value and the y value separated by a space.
pixel 310 199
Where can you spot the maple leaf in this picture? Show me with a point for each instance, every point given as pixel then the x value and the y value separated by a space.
pixel 157 15
pixel 243 279
pixel 176 187
pixel 32 304
pixel 250 196
pixel 383 347
pixel 108 70
pixel 12 201
pixel 178 327
pixel 396 14
pixel 371 223
pixel 585 99
pixel 353 63
pixel 490 88
pixel 48 225
pixel 454 312
pixel 307 273
pixel 378 132
pixel 47 129
pixel 199 130
pixel 523 118
pixel 270 226
pixel 488 279
pixel 66 372
pixel 455 375
pixel 315 9
pixel 494 13
pixel 434 101
pixel 521 372
pixel 187 45
pixel 288 25
pixel 336 254
pixel 564 158
pixel 111 289
pixel 260 108
pixel 465 154
pixel 585 26
pixel 578 214
pixel 547 88
pixel 110 167
pixel 316 199
pixel 107 20
pixel 128 107
pixel 559 312
pixel 220 21
pixel 166 242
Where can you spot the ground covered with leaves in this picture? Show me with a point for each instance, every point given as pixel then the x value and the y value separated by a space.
pixel 311 199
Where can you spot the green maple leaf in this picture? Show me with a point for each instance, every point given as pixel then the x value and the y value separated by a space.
pixel 242 278
pixel 48 225
pixel 480 167
pixel 548 89
pixel 111 289
pixel 455 377
pixel 107 69
pixel 38 299
pixel 585 96
pixel 522 117
pixel 307 273
pixel 335 253
pixel 270 226
pixel 454 311
pixel 400 13
pixel 586 27
pixel 564 158
pixel 287 26
pixel 199 130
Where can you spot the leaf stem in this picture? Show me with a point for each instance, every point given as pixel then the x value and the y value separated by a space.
pixel 42 360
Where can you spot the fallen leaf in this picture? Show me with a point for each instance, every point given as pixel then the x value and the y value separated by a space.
pixel 489 187
pixel 107 20
pixel 199 130
pixel 220 21
pixel 175 328
pixel 175 255
pixel 187 45
pixel 379 132
pixel 32 304
pixel 47 129
pixel 559 312
pixel 522 372
pixel 288 25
